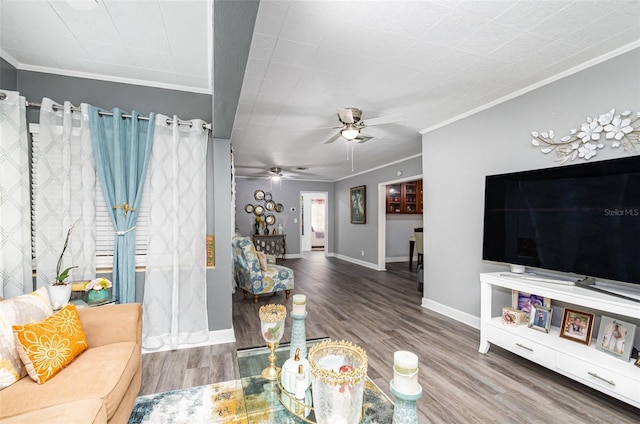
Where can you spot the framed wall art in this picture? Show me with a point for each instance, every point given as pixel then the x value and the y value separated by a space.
pixel 577 326
pixel 358 204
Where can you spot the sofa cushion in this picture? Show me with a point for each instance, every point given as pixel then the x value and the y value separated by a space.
pixel 48 346
pixel 103 372
pixel 19 310
pixel 85 411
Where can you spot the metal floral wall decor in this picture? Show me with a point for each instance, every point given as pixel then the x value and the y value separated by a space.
pixel 622 129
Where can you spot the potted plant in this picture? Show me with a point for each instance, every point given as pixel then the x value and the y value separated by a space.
pixel 59 290
pixel 98 290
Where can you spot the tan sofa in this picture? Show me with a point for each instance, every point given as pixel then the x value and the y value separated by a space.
pixel 99 386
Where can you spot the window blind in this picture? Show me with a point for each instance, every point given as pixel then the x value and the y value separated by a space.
pixel 105 234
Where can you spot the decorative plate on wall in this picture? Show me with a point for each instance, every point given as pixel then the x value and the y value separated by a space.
pixel 258 210
pixel 270 205
pixel 248 208
pixel 267 196
pixel 259 195
pixel 270 219
pixel 279 207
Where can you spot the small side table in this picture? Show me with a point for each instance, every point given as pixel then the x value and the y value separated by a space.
pixel 274 244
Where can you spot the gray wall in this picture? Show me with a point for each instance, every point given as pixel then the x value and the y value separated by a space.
pixel 8 76
pixel 399 229
pixel 289 196
pixel 36 85
pixel 351 239
pixel 220 278
pixel 456 159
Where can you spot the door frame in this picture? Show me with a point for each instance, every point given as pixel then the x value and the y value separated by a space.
pixel 325 194
pixel 382 217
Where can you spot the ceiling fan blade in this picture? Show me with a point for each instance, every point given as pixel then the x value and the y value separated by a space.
pixel 332 139
pixel 383 120
pixel 346 115
pixel 363 138
pixel 319 128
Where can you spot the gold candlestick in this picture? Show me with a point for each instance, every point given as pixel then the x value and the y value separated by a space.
pixel 272 326
pixel 271 372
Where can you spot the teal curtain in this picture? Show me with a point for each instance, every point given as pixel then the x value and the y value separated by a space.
pixel 121 148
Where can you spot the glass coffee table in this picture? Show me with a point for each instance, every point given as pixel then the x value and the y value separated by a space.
pixel 262 397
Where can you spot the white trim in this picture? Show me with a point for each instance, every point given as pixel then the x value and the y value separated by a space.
pixel 379 167
pixel 357 261
pixel 463 317
pixel 110 78
pixel 6 56
pixel 554 78
pixel 325 197
pixel 396 259
pixel 285 179
pixel 215 337
pixel 382 216
pixel 293 256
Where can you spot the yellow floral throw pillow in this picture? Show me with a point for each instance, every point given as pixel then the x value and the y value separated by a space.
pixel 46 347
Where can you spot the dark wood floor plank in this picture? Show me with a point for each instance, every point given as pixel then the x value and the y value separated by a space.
pixel 381 312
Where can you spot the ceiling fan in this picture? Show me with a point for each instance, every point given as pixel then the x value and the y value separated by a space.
pixel 352 124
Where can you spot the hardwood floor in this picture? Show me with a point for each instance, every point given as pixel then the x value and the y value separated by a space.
pixel 381 312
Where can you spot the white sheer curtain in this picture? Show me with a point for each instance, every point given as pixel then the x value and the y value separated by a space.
pixel 65 192
pixel 175 297
pixel 15 206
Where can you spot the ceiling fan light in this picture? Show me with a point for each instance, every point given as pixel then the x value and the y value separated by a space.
pixel 275 178
pixel 350 132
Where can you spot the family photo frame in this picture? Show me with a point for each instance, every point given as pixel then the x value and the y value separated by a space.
pixel 577 326
pixel 540 318
pixel 358 204
pixel 615 337
pixel 525 301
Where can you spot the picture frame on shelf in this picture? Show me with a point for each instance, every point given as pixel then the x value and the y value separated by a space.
pixel 577 326
pixel 615 337
pixel 513 317
pixel 358 204
pixel 540 318
pixel 525 301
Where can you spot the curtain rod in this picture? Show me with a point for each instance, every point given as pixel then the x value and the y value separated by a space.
pixel 125 116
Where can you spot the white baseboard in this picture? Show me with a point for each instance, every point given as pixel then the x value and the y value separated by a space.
pixel 293 256
pixel 450 312
pixel 356 261
pixel 397 259
pixel 215 337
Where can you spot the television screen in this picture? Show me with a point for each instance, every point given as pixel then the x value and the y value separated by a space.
pixel 583 219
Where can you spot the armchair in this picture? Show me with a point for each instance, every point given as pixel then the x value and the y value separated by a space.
pixel 251 278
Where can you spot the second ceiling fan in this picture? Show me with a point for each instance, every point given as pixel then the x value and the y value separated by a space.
pixel 352 124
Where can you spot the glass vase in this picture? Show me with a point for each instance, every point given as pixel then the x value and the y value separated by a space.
pixel 338 373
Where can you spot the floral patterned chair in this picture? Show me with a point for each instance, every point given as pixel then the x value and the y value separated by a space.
pixel 251 278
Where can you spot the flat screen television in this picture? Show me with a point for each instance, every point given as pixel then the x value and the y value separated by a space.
pixel 582 219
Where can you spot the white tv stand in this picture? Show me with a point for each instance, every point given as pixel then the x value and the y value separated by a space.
pixel 579 362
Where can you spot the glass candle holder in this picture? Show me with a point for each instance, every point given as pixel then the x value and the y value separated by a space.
pixel 338 373
pixel 272 326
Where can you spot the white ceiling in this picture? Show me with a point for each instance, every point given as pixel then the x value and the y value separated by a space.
pixel 428 61
pixel 159 43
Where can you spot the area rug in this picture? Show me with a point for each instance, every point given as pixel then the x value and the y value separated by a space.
pixel 251 400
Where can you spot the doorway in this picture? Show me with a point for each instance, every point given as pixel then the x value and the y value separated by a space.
pixel 382 221
pixel 313 221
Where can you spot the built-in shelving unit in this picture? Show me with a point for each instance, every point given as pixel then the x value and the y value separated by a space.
pixel 405 198
pixel 594 368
